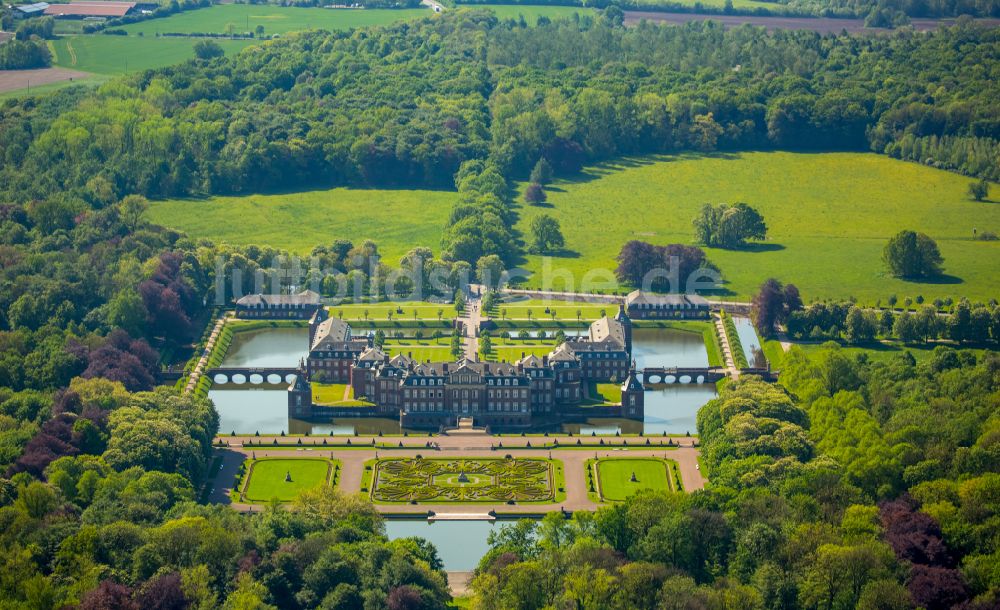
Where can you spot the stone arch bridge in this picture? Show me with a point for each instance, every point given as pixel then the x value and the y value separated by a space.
pixel 273 376
pixel 670 375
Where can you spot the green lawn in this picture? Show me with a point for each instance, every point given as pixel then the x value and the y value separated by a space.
pixel 513 353
pixel 604 393
pixel 397 220
pixel 329 393
pixel 875 352
pixel 267 478
pixel 829 216
pixel 422 354
pixel 380 311
pixel 103 54
pixel 615 474
pixel 275 19
pixel 564 310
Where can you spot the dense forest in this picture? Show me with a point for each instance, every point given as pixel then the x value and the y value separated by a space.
pixel 812 8
pixel 857 485
pixel 854 484
pixel 406 105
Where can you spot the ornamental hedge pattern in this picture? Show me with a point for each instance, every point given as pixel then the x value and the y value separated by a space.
pixel 489 480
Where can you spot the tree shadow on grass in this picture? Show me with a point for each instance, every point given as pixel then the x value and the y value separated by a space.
pixel 755 248
pixel 613 166
pixel 937 280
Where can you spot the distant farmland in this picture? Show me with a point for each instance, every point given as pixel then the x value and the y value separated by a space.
pixel 240 18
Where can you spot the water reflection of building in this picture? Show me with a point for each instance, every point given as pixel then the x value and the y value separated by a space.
pixel 432 394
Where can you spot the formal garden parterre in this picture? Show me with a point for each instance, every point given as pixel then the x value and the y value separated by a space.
pixel 520 480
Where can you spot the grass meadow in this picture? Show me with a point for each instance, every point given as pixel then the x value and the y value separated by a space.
pixel 397 220
pixel 112 55
pixel 829 216
pixel 267 479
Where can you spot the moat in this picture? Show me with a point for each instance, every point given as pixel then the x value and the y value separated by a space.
pixel 669 409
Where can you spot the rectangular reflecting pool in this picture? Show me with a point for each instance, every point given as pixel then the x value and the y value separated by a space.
pixel 460 544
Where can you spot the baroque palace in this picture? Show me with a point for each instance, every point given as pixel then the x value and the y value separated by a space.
pixel 434 394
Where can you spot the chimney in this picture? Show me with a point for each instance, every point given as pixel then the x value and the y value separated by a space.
pixel 522 355
pixel 444 367
pixel 409 355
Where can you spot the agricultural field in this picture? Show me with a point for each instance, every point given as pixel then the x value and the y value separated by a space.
pixel 241 18
pixel 652 5
pixel 397 220
pixel 532 13
pixel 615 476
pixel 112 55
pixel 268 478
pixel 829 217
pixel 465 480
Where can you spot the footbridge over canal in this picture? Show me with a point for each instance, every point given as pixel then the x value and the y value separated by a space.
pixel 668 375
pixel 273 376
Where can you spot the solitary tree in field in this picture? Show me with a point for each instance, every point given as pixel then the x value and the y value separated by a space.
pixel 503 313
pixel 440 314
pixel 208 49
pixel 529 313
pixel 729 226
pixel 366 315
pixel 546 234
pixel 579 314
pixel 979 190
pixel 534 194
pixel 912 255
